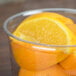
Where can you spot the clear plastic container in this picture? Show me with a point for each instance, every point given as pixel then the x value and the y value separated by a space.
pixel 34 59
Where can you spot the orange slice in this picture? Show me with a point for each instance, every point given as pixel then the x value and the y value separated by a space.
pixel 24 37
pixel 46 29
pixel 42 29
pixel 55 70
pixel 60 17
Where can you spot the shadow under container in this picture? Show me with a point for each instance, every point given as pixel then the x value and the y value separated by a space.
pixel 34 59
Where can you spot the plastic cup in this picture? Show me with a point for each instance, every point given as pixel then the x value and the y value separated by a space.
pixel 35 59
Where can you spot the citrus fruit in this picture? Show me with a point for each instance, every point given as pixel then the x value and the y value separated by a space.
pixel 72 27
pixel 60 17
pixel 69 64
pixel 22 36
pixel 34 57
pixel 46 29
pixel 55 70
pixel 42 29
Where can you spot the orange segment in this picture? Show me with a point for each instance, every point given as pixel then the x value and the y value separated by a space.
pixel 55 70
pixel 69 64
pixel 34 57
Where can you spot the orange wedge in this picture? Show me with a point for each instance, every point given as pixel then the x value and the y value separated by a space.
pixel 41 29
pixel 34 57
pixel 55 70
pixel 69 64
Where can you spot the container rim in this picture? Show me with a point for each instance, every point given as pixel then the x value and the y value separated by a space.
pixel 30 12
